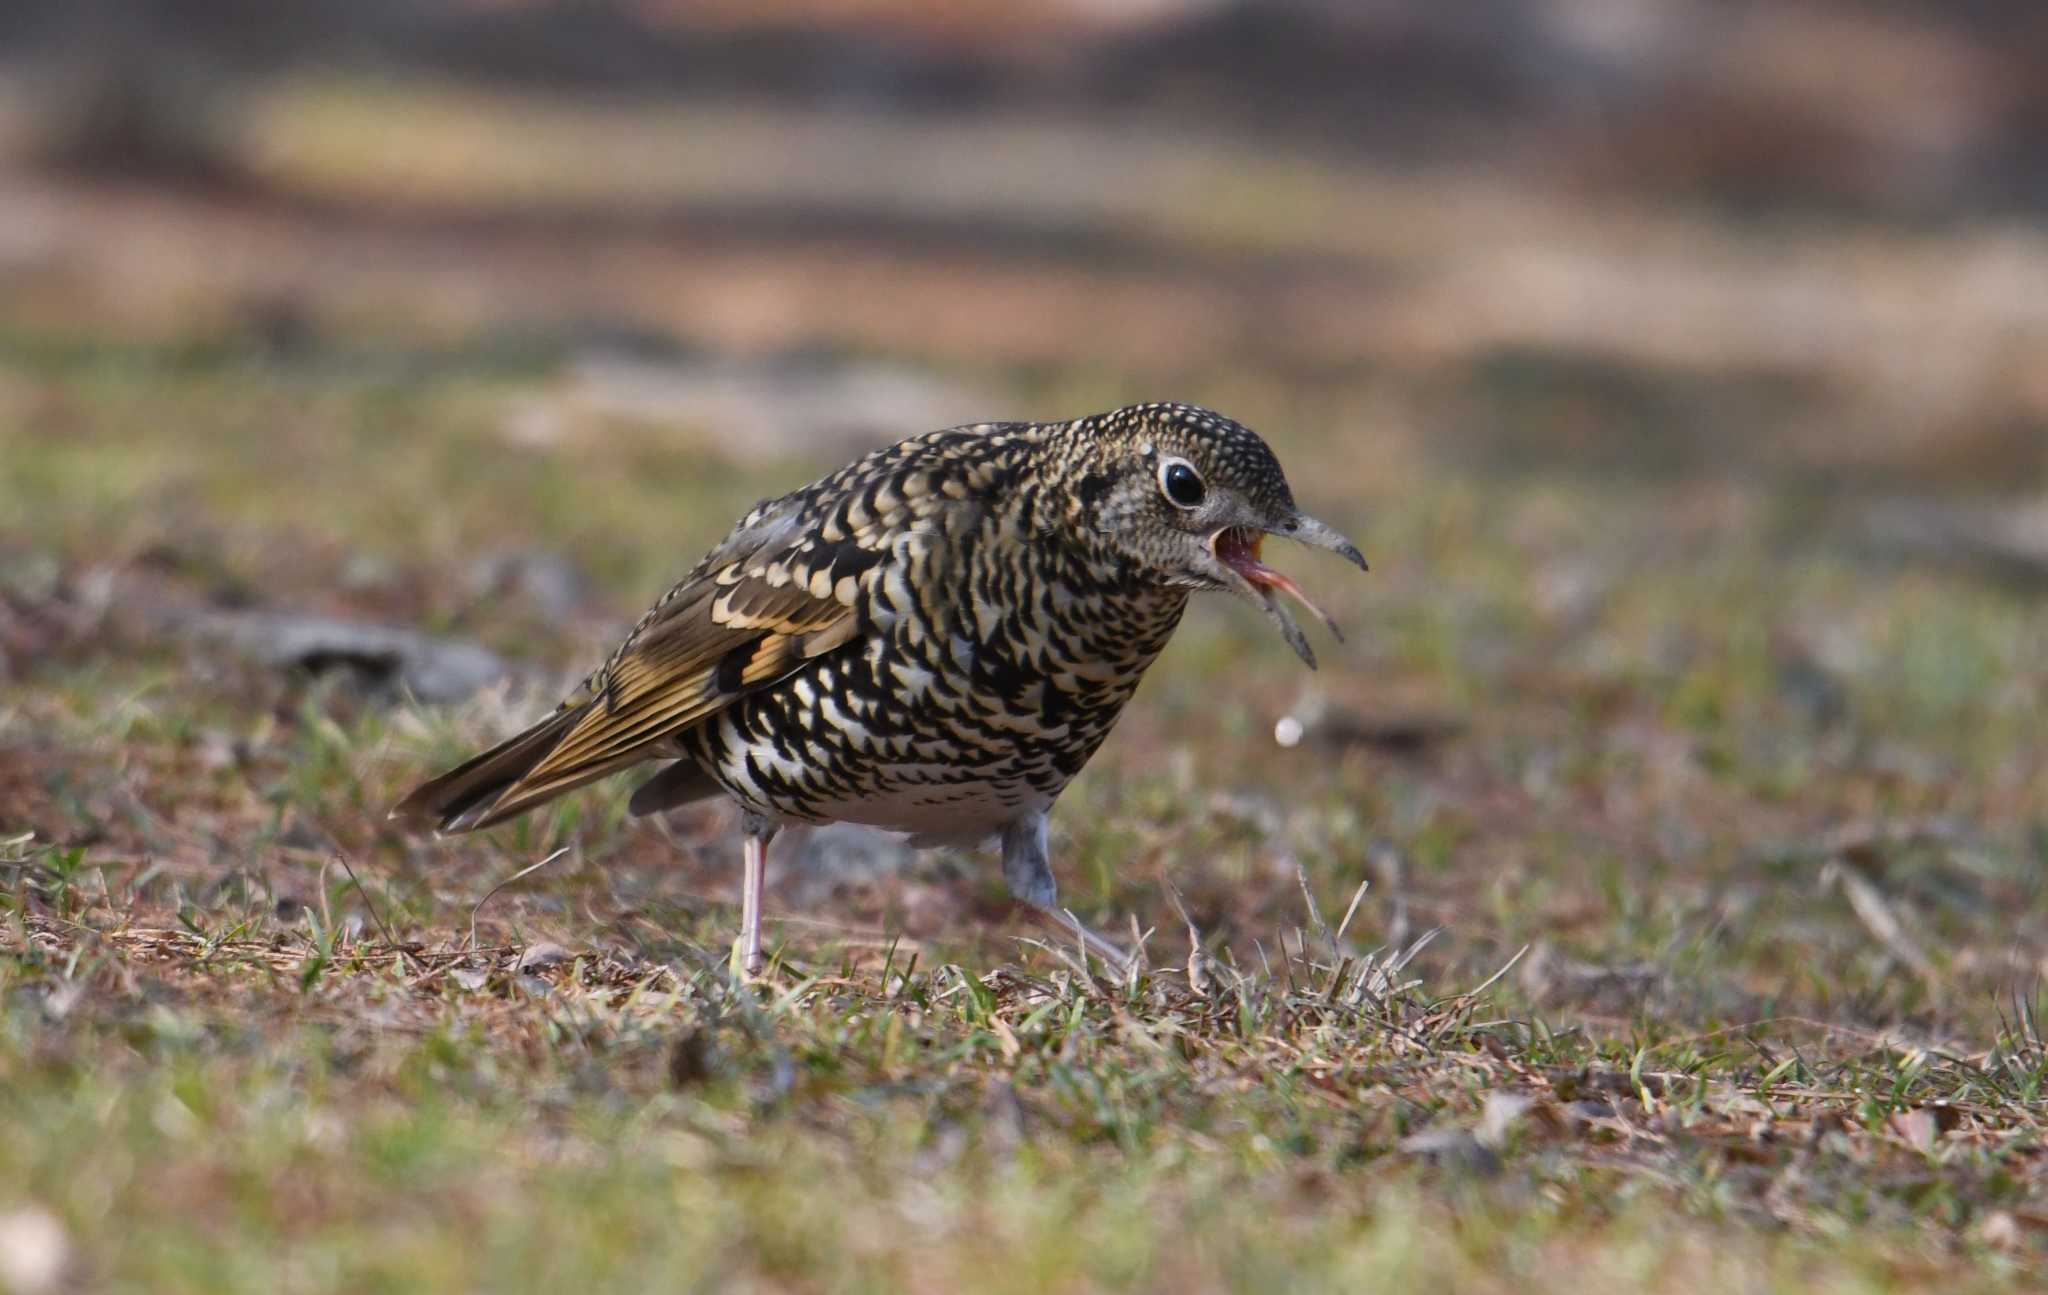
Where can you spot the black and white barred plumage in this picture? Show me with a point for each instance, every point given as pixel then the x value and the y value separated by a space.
pixel 933 639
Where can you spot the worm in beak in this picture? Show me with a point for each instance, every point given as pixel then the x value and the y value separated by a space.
pixel 1237 547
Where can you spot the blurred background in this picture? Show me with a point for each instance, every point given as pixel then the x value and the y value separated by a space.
pixel 1804 236
pixel 1682 365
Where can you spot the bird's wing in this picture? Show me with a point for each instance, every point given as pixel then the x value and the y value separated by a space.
pixel 763 603
pixel 798 578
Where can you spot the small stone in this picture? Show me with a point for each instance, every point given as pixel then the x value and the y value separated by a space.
pixel 540 956
pixel 690 1060
pixel 2000 1230
pixel 547 582
pixel 1453 1149
pixel 380 656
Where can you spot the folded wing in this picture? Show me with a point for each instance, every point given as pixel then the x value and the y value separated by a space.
pixel 757 609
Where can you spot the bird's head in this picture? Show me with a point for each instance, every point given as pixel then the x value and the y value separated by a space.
pixel 1188 497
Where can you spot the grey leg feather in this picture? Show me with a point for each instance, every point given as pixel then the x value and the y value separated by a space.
pixel 1026 868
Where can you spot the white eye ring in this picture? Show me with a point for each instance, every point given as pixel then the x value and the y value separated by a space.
pixel 1180 483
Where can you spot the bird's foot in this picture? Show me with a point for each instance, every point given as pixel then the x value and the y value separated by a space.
pixel 747 963
pixel 1123 965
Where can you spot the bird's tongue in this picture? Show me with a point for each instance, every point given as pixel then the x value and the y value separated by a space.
pixel 1238 549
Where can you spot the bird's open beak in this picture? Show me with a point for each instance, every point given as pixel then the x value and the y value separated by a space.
pixel 1237 547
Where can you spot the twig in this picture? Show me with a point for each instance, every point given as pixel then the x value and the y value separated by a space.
pixel 1197 981
pixel 1401 960
pixel 1491 980
pixel 1315 915
pixel 1080 969
pixel 531 867
pixel 1352 911
pixel 341 857
pixel 1871 909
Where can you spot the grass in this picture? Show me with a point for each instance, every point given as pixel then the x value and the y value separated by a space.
pixel 1699 947
pixel 356 1114
pixel 258 1037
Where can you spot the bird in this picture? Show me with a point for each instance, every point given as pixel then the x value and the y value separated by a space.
pixel 932 640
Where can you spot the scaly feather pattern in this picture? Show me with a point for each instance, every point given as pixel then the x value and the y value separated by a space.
pixel 933 639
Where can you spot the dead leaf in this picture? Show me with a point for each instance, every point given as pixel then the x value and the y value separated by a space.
pixel 1501 1113
pixel 1923 1126
pixel 1006 1037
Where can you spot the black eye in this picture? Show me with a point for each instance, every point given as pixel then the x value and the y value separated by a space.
pixel 1182 484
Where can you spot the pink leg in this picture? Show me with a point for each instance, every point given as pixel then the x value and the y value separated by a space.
pixel 750 904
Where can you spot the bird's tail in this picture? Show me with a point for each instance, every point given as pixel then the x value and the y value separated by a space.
pixel 499 784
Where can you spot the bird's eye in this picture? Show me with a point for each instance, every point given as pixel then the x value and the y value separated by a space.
pixel 1182 484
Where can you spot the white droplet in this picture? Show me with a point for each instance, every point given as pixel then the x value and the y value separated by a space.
pixel 35 1252
pixel 1288 731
